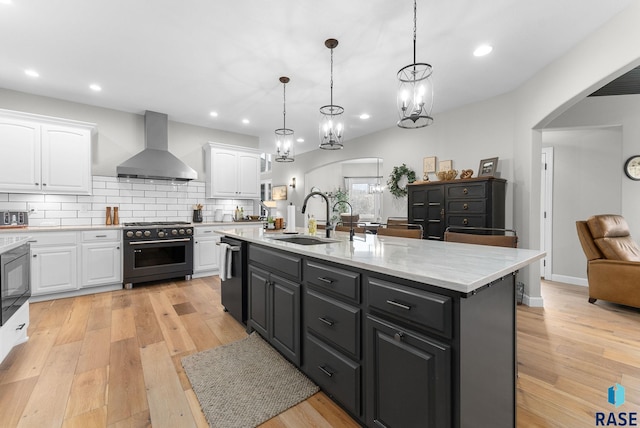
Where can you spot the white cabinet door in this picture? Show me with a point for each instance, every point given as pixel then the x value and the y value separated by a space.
pixel 205 254
pixel 54 269
pixel 101 264
pixel 249 175
pixel 20 159
pixel 224 173
pixel 66 160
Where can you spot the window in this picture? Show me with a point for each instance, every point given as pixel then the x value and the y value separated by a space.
pixel 265 163
pixel 265 194
pixel 367 205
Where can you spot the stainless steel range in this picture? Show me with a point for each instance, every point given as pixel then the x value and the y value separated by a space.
pixel 157 250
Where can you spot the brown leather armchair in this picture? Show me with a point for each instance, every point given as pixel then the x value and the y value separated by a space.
pixel 613 259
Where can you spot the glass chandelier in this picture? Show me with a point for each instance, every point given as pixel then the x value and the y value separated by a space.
pixel 284 135
pixel 377 187
pixel 415 93
pixel 331 127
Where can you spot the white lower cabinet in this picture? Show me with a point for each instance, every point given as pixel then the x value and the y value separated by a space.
pixel 101 258
pixel 205 251
pixel 65 263
pixel 54 263
pixel 14 331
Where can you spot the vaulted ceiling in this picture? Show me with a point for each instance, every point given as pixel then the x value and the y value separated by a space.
pixel 192 57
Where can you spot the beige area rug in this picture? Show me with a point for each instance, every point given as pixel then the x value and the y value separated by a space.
pixel 245 383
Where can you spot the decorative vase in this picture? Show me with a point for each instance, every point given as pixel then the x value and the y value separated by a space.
pixel 197 216
pixel 108 215
pixel 116 217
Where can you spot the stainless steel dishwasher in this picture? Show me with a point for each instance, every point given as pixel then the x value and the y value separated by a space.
pixel 233 289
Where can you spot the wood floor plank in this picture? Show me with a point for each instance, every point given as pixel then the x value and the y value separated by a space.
pixel 28 360
pixel 75 324
pixel 201 334
pixel 93 419
pixel 96 348
pixel 13 399
pixel 139 420
pixel 88 392
pixel 168 405
pixel 127 396
pixel 147 327
pixel 330 411
pixel 173 331
pixel 56 314
pixel 226 328
pixel 196 410
pixel 123 325
pixel 47 403
pixel 100 316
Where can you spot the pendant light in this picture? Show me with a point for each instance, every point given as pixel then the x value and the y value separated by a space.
pixel 331 126
pixel 284 135
pixel 415 93
pixel 377 188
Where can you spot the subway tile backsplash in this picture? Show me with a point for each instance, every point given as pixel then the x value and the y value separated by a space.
pixel 136 199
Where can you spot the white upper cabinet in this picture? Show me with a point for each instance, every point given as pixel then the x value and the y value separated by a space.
pixel 44 155
pixel 232 172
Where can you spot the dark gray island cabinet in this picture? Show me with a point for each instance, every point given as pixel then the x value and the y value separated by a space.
pixel 393 352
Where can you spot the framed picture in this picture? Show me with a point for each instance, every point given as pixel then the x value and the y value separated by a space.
pixel 279 193
pixel 446 165
pixel 487 167
pixel 429 164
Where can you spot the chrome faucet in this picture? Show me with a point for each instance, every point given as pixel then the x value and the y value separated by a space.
pixel 351 230
pixel 304 208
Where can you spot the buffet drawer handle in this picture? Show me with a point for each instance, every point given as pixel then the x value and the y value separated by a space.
pixel 465 221
pixel 325 280
pixel 418 204
pixel 465 206
pixel 325 371
pixel 418 219
pixel 465 191
pixel 398 305
pixel 21 326
pixel 398 336
pixel 326 321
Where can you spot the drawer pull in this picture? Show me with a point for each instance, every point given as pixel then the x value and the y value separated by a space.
pixel 418 204
pixel 418 219
pixel 101 236
pixel 465 191
pixel 398 305
pixel 465 221
pixel 398 336
pixel 207 231
pixel 325 280
pixel 326 321
pixel 21 326
pixel 465 206
pixel 325 371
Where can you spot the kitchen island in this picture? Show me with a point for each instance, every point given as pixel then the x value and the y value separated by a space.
pixel 400 332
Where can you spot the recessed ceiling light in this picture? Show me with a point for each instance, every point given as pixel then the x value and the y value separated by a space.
pixel 213 114
pixel 31 73
pixel 364 116
pixel 483 50
pixel 95 87
pixel 245 121
pixel 300 140
pixel 7 2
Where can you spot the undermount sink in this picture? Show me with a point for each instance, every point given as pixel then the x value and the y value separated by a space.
pixel 305 240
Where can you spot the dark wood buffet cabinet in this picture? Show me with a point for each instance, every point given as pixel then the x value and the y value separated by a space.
pixel 476 202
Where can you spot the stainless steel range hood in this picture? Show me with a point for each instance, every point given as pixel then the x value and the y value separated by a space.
pixel 155 161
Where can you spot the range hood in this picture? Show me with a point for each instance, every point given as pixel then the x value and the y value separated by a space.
pixel 155 161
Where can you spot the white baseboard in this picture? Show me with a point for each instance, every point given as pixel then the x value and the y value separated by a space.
pixel 533 302
pixel 574 280
pixel 75 293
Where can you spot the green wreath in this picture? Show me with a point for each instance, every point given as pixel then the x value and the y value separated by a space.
pixel 396 175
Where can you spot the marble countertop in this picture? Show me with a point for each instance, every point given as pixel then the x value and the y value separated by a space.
pixel 12 241
pixel 32 229
pixel 454 266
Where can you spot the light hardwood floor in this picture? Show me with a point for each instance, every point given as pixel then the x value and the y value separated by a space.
pixel 113 360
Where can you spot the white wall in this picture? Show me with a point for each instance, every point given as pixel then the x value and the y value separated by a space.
pixel 586 180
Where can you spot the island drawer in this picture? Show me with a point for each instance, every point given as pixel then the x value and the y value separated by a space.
pixel 328 278
pixel 101 235
pixel 276 261
pixel 431 310
pixel 337 375
pixel 337 322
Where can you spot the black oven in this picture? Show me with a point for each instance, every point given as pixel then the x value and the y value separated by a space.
pixel 154 252
pixel 14 280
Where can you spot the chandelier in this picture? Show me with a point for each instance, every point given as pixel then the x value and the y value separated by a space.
pixel 377 187
pixel 331 128
pixel 284 135
pixel 415 93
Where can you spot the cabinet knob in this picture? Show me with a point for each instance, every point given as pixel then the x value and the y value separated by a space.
pixel 465 191
pixel 465 221
pixel 398 336
pixel 465 206
pixel 37 184
pixel 35 255
pixel 44 184
pixel 117 248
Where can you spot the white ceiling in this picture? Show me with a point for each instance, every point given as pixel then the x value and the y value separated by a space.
pixel 187 58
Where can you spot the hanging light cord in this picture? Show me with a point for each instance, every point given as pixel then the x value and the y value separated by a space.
pixel 284 106
pixel 331 81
